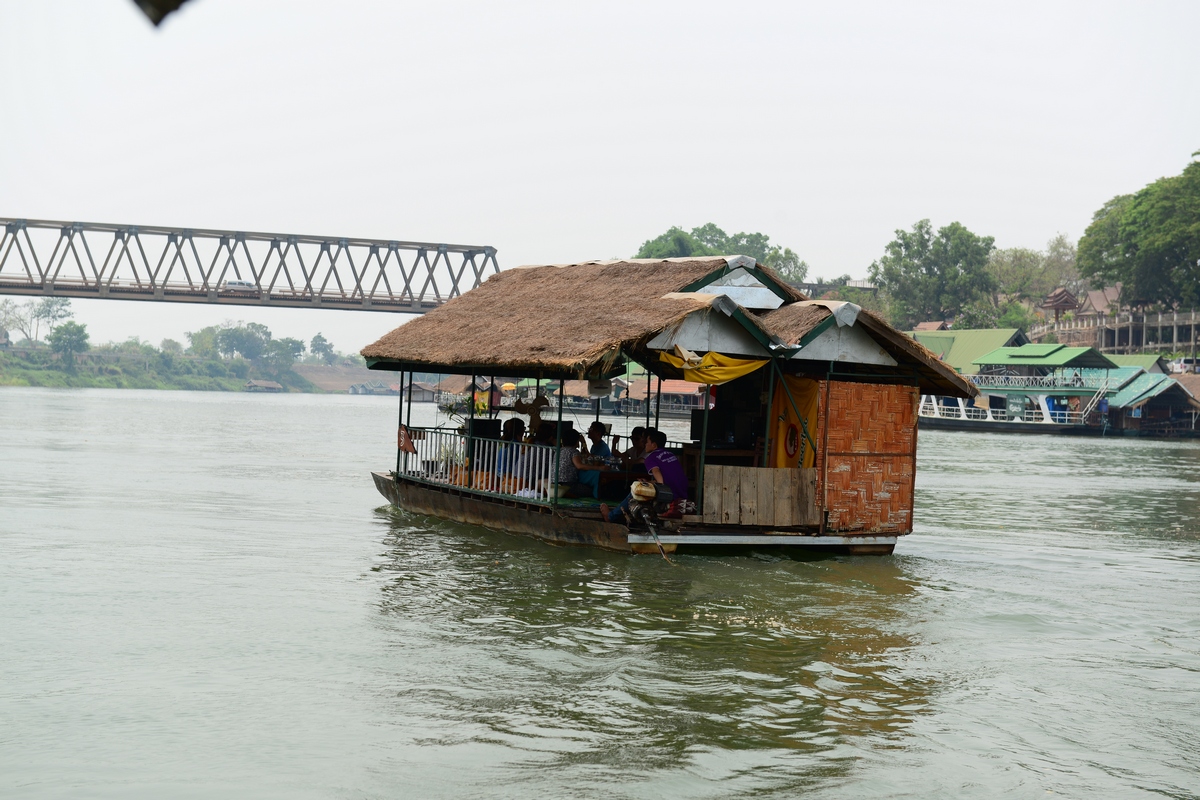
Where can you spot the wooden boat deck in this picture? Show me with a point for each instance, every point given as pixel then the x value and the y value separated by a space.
pixel 579 523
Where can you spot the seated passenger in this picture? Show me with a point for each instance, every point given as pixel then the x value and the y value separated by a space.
pixel 571 469
pixel 576 478
pixel 533 467
pixel 596 433
pixel 636 452
pixel 664 467
pixel 510 436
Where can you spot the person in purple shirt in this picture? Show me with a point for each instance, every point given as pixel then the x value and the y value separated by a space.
pixel 664 467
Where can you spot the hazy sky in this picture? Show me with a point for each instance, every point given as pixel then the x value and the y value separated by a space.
pixel 565 131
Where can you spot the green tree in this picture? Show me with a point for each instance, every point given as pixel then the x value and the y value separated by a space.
pixel 322 349
pixel 709 240
pixel 1018 273
pixel 53 310
pixel 1061 265
pixel 203 343
pixel 280 354
pixel 249 340
pixel 171 346
pixel 675 243
pixel 1149 242
pixel 934 276
pixel 19 318
pixel 68 340
pixel 1101 250
pixel 979 313
pixel 787 264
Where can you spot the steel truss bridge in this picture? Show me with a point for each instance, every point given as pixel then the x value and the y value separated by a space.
pixel 186 265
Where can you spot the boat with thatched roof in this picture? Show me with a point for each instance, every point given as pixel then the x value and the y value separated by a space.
pixel 809 439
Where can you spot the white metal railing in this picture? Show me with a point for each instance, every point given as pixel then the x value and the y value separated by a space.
pixel 515 469
pixel 1094 402
pixel 1121 319
pixel 929 407
pixel 1056 381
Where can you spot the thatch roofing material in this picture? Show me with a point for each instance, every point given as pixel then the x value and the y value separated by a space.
pixel 791 323
pixel 557 319
pixel 575 321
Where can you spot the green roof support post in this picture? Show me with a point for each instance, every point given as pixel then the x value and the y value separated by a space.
pixel 647 397
pixel 558 441
pixel 400 420
pixel 770 403
pixel 468 457
pixel 703 448
pixel 657 403
pixel 408 425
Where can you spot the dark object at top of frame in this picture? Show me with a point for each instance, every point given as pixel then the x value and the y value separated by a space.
pixel 157 10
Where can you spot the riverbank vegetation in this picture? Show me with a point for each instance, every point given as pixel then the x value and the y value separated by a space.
pixel 57 352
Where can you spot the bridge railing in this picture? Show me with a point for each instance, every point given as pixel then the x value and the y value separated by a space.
pixel 77 259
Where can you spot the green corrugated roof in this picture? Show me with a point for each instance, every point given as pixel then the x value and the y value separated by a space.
pixel 960 348
pixel 1148 362
pixel 1141 389
pixel 1117 378
pixel 1056 356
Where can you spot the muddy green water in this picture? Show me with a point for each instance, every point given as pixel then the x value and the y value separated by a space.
pixel 201 595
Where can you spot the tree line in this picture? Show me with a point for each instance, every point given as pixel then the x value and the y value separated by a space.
pixel 1148 243
pixel 215 357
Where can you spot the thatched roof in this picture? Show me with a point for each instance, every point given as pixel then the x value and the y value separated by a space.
pixel 791 323
pixel 552 319
pixel 577 320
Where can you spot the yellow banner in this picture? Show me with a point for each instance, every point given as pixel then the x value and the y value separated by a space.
pixel 713 367
pixel 787 434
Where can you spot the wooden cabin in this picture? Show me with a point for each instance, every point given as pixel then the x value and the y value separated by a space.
pixel 809 441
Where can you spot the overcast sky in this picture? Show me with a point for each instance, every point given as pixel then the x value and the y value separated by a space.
pixel 561 132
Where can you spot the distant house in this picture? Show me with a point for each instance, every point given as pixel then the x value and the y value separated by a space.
pixel 422 392
pixel 932 326
pixel 1100 301
pixel 263 386
pixel 960 348
pixel 1154 403
pixel 460 385
pixel 676 394
pixel 1060 301
pixel 374 387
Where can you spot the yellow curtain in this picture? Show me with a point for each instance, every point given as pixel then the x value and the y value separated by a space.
pixel 787 434
pixel 714 367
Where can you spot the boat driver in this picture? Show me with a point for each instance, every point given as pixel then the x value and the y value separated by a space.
pixel 664 467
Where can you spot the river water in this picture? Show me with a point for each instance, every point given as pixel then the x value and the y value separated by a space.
pixel 202 595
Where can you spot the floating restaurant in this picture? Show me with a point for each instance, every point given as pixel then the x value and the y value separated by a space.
pixel 808 438
pixel 1055 389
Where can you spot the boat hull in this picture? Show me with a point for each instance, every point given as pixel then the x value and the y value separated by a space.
pixel 984 426
pixel 555 527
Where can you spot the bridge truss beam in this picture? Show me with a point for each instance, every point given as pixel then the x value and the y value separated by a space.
pixel 186 265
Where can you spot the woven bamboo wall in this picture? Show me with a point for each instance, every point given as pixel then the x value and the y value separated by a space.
pixel 866 463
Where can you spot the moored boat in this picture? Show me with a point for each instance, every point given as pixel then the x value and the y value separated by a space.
pixel 1059 390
